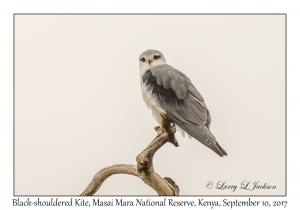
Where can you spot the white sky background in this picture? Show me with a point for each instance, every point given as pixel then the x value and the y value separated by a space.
pixel 6 75
pixel 79 106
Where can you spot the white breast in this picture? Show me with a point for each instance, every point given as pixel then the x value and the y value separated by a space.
pixel 151 100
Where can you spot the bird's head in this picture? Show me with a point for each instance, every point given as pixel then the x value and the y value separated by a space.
pixel 151 58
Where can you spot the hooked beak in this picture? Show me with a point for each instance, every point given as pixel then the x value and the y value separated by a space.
pixel 149 61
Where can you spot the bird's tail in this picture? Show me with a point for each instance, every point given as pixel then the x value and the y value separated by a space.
pixel 220 151
pixel 202 134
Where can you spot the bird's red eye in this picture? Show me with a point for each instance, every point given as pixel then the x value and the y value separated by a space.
pixel 156 57
pixel 143 59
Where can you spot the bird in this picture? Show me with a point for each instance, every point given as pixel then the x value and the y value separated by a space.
pixel 168 91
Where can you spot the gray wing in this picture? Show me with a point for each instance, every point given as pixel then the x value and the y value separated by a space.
pixel 185 105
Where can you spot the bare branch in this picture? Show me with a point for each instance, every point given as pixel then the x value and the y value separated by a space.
pixel 144 168
pixel 102 175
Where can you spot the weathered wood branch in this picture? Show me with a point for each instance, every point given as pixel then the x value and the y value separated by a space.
pixel 144 168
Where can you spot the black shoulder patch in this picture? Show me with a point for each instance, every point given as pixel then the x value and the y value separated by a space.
pixel 159 90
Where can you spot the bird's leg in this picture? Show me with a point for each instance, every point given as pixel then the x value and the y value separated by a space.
pixel 166 123
pixel 168 126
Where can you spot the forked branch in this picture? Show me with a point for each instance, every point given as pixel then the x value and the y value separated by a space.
pixel 144 167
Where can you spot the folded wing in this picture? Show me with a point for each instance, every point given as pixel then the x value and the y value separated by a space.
pixel 183 104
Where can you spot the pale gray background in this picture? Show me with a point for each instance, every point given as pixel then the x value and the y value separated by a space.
pixel 78 103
